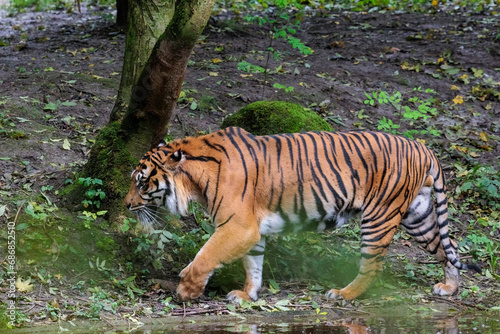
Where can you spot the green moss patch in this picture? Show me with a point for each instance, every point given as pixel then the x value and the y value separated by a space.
pixel 111 162
pixel 271 117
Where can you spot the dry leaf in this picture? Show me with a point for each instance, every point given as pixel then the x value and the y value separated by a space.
pixel 422 141
pixel 458 100
pixel 484 136
pixel 24 286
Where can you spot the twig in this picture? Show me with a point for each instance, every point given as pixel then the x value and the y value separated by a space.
pixel 18 210
pixel 32 307
pixel 83 91
pixel 344 309
pixel 198 311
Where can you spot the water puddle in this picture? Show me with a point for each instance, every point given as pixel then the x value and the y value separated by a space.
pixel 382 321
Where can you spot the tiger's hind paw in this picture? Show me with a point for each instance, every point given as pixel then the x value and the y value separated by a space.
pixel 334 294
pixel 445 289
pixel 237 295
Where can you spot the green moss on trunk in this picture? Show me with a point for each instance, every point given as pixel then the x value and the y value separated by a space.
pixel 111 161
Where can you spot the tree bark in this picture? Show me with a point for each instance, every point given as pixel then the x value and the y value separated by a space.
pixel 145 102
pixel 145 23
pixel 154 97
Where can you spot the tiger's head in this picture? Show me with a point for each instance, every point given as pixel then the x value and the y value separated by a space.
pixel 157 182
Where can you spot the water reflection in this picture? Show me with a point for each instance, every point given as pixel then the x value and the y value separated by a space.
pixel 384 322
pixel 485 323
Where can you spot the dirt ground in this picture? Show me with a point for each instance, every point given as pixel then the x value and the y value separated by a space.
pixel 59 74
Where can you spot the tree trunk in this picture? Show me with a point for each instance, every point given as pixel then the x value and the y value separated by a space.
pixel 154 97
pixel 149 99
pixel 147 21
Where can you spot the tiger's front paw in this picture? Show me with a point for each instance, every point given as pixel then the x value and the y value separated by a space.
pixel 237 295
pixel 191 285
pixel 188 292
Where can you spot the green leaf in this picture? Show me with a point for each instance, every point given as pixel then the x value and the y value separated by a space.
pixel 466 186
pixel 51 106
pixel 450 70
pixel 493 190
pixel 273 286
pixel 22 226
pixel 68 104
pixel 193 105
pixel 283 302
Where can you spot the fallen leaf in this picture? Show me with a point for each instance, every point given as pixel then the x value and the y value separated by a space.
pixel 66 145
pixel 24 286
pixel 459 148
pixel 484 136
pixel 55 304
pixel 474 154
pixel 453 87
pixel 458 100
pixel 216 60
pixel 337 44
pixel 405 243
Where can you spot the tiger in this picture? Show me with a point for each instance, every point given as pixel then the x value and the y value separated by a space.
pixel 259 186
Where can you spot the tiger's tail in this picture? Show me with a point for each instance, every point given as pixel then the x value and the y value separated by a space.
pixel 442 217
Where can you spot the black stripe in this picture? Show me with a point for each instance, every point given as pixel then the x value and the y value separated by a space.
pixel 224 223
pixel 230 132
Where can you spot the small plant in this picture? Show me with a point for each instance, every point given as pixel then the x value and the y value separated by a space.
pixel 480 184
pixel 387 125
pixel 92 201
pixel 93 196
pixel 413 111
pixel 128 223
pixel 493 260
pixel 282 26
pixel 130 285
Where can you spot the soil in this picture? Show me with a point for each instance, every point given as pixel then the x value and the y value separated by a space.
pixel 59 75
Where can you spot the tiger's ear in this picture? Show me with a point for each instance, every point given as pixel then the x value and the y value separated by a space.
pixel 162 143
